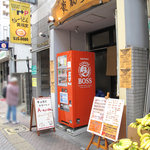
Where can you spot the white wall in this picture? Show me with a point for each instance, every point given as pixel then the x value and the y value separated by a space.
pixel 22 51
pixel 4 20
pixel 42 11
pixel 60 42
pixel 136 23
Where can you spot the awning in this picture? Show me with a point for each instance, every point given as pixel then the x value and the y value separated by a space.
pixel 4 56
pixel 64 9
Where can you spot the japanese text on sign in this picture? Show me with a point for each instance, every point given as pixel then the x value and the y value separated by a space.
pixel 125 68
pixel 64 9
pixel 105 118
pixel 20 22
pixel 44 113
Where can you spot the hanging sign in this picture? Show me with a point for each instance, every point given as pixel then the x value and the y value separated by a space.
pixel 42 110
pixel 3 46
pixel 20 28
pixel 105 118
pixel 125 67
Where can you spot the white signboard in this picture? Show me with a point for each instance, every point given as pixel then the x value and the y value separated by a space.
pixel 105 118
pixel 44 113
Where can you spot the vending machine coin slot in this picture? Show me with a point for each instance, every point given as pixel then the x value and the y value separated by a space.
pixel 78 121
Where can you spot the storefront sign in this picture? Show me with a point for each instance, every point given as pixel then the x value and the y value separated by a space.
pixel 64 9
pixel 44 113
pixel 20 31
pixel 3 46
pixel 105 118
pixel 34 70
pixel 34 82
pixel 43 44
pixel 125 68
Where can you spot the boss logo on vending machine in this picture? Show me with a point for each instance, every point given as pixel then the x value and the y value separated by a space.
pixel 84 71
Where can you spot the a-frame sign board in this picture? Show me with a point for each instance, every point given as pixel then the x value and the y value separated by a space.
pixel 105 120
pixel 98 145
pixel 42 114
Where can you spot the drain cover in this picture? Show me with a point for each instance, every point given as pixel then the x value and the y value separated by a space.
pixel 16 129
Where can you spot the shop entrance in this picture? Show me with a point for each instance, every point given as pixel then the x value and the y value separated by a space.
pixel 95 28
pixel 103 43
pixel 43 73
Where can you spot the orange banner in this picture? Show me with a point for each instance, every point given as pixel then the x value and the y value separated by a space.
pixel 109 131
pixel 63 9
pixel 95 126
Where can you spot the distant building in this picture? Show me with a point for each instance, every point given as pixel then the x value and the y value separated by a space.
pixel 14 60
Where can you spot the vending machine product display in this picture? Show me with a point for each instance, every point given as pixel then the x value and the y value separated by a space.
pixel 76 87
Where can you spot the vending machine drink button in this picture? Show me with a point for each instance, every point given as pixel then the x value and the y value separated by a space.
pixel 66 90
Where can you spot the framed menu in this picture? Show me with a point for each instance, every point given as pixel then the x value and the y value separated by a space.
pixel 105 118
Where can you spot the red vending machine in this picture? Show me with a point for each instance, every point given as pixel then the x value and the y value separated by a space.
pixel 76 87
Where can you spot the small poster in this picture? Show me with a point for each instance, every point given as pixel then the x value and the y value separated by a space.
pixel 105 118
pixel 44 113
pixel 34 70
pixel 64 97
pixel 34 82
pixel 3 45
pixel 125 68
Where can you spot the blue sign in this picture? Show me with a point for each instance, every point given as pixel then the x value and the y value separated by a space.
pixel 34 70
pixel 3 46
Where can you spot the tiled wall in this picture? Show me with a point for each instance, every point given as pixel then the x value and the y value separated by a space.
pixel 136 95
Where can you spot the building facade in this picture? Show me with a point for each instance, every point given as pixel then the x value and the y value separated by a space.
pixel 40 47
pixel 99 26
pixel 15 59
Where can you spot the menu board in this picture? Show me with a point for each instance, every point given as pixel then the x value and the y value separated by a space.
pixel 44 113
pixel 125 67
pixel 105 118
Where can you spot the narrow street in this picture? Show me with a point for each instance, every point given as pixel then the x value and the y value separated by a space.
pixel 18 137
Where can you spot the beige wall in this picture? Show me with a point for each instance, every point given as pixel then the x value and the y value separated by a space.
pixel 121 37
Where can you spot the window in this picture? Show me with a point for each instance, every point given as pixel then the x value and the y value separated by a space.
pixel 5 13
pixel 102 38
pixel 29 1
pixel 5 32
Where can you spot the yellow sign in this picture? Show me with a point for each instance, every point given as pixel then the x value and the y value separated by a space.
pixel 34 82
pixel 125 68
pixel 64 9
pixel 20 31
pixel 52 76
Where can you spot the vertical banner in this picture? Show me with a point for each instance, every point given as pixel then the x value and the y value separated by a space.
pixel 52 77
pixel 20 28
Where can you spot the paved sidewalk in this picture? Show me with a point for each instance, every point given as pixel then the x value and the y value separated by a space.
pixel 18 137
